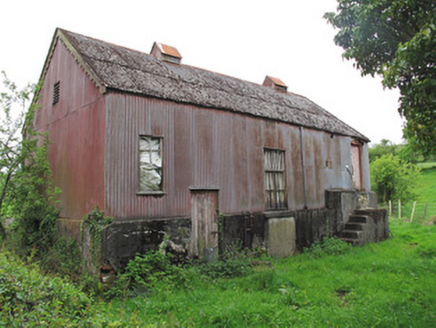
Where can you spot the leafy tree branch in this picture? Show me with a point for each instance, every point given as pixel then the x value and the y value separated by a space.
pixel 395 39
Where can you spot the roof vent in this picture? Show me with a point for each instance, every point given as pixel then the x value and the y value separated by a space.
pixel 275 83
pixel 166 53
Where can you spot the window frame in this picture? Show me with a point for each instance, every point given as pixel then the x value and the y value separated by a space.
pixel 272 199
pixel 161 147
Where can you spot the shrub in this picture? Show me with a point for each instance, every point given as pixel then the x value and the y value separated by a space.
pixel 393 179
pixel 327 246
pixel 233 263
pixel 144 272
pixel 28 298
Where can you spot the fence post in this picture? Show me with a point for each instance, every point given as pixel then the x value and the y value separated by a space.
pixel 425 212
pixel 413 211
pixel 399 208
pixel 390 208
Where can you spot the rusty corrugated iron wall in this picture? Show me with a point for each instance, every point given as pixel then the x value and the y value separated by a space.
pixel 206 148
pixel 76 127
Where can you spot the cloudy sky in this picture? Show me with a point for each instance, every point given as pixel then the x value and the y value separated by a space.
pixel 287 39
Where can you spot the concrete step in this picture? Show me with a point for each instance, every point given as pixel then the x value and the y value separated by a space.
pixel 357 218
pixel 350 234
pixel 356 226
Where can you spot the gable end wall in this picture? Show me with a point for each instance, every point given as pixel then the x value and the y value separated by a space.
pixel 76 126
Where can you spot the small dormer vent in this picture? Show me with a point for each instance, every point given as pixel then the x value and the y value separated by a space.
pixel 56 92
pixel 166 53
pixel 275 83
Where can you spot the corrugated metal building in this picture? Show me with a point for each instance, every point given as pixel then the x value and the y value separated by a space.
pixel 164 148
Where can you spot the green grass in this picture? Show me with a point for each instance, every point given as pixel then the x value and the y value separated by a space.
pixel 387 284
pixel 427 165
pixel 426 190
pixel 426 196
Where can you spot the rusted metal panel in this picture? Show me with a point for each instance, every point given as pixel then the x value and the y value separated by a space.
pixel 205 148
pixel 326 157
pixel 239 161
pixel 256 189
pixel 76 127
pixel 290 142
pixel 366 179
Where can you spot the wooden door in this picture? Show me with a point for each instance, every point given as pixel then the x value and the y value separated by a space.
pixel 356 166
pixel 204 230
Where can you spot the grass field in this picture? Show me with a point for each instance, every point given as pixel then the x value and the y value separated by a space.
pixel 425 198
pixel 387 284
pixel 426 191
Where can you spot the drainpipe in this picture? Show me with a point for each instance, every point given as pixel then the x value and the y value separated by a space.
pixel 303 165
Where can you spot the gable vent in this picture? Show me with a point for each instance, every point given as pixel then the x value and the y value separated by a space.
pixel 166 53
pixel 275 83
pixel 56 92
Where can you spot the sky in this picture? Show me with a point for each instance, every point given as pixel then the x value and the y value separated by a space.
pixel 287 39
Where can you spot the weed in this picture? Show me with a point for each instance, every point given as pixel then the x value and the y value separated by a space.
pixel 327 246
pixel 30 298
pixel 95 223
pixel 144 272
pixel 234 262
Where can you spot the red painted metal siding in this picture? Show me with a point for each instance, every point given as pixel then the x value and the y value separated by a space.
pixel 211 149
pixel 76 126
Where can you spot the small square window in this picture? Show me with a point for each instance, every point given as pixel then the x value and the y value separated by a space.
pixel 275 188
pixel 150 164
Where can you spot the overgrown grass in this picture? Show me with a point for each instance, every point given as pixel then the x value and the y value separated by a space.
pixel 387 284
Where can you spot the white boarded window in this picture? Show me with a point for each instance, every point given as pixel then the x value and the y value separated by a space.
pixel 274 163
pixel 150 164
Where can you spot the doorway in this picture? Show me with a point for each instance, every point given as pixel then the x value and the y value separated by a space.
pixel 356 165
pixel 204 218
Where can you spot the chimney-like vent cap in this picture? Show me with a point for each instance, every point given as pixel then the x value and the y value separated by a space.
pixel 275 83
pixel 166 53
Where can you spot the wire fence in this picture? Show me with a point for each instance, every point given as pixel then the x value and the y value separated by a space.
pixel 422 212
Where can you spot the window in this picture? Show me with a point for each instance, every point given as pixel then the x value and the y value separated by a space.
pixel 56 92
pixel 274 162
pixel 150 164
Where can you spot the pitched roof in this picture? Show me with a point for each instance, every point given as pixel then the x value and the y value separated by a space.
pixel 119 68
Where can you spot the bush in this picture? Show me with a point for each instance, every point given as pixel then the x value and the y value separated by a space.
pixel 233 263
pixel 28 298
pixel 392 179
pixel 327 246
pixel 144 272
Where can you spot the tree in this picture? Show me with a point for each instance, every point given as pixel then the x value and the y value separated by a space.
pixel 395 39
pixel 392 179
pixel 385 147
pixel 12 154
pixel 26 189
